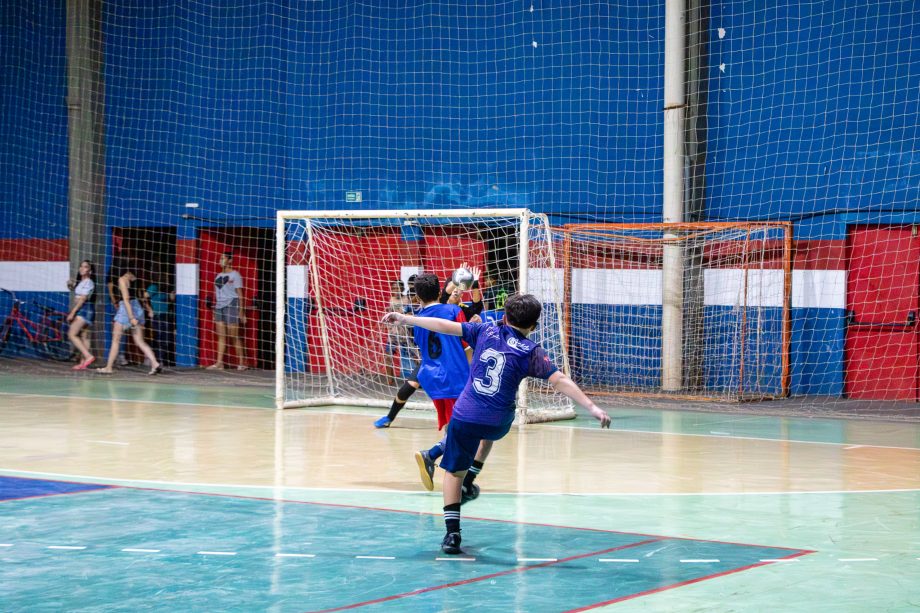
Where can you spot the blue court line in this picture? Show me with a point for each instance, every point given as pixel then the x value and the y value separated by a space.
pixel 147 548
pixel 18 488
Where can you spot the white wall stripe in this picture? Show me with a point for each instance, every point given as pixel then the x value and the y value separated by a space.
pixel 296 282
pixel 824 289
pixel 35 276
pixel 623 287
pixel 732 288
pixel 542 281
pixel 187 279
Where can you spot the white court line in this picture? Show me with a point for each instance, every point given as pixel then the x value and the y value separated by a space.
pixel 538 559
pixel 720 433
pixel 108 442
pixel 216 553
pixel 857 559
pixel 6 544
pixel 69 547
pixel 342 412
pixel 97 399
pixel 138 550
pixel 619 560
pixel 207 488
pixel 455 559
pixel 295 555
pixel 853 447
pixel 698 561
pixel 375 558
pixel 750 438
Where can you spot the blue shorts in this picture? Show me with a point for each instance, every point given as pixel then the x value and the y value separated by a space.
pixel 87 312
pixel 121 317
pixel 229 314
pixel 462 442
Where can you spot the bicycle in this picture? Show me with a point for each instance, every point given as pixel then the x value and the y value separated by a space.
pixel 46 336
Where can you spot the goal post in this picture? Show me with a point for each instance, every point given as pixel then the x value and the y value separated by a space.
pixel 736 308
pixel 339 272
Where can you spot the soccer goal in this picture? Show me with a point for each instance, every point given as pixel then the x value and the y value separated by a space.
pixel 728 286
pixel 339 272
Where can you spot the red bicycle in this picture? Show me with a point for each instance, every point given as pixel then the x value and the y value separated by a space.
pixel 46 336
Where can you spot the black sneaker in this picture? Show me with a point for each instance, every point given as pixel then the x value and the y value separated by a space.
pixel 469 493
pixel 451 543
pixel 425 469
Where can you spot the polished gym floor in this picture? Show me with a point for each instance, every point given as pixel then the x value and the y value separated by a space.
pixel 132 494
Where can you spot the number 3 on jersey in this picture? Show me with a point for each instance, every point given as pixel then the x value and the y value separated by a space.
pixel 489 383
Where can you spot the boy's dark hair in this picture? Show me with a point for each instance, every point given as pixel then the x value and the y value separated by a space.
pixel 523 310
pixel 398 283
pixel 427 287
pixel 228 255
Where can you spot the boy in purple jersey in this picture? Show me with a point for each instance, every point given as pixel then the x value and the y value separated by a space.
pixel 502 358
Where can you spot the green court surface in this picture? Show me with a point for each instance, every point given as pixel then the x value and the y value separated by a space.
pixel 811 539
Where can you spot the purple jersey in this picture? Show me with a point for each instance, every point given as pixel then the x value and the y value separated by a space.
pixel 444 369
pixel 502 358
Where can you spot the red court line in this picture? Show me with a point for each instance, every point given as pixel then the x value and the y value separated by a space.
pixel 687 582
pixel 519 569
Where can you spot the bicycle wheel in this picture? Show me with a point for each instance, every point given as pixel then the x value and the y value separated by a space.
pixel 5 334
pixel 55 350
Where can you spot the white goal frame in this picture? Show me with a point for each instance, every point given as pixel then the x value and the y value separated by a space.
pixel 526 219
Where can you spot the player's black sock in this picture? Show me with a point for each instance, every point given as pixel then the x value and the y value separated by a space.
pixel 452 517
pixel 472 473
pixel 402 397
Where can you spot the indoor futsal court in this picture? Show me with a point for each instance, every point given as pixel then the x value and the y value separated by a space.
pixel 144 495
pixel 254 252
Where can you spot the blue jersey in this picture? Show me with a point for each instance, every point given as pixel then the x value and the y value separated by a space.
pixel 502 358
pixel 444 369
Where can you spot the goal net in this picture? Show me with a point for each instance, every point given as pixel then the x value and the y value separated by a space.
pixel 340 272
pixel 732 292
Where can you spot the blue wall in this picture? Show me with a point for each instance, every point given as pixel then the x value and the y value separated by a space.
pixel 417 107
pixel 33 120
pixel 812 115
pixel 275 105
pixel 815 112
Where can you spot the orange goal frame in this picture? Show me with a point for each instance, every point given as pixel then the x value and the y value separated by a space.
pixel 681 233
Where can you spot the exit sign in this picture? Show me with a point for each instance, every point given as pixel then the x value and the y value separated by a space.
pixel 352 196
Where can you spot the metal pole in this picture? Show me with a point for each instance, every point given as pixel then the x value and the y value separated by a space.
pixel 673 191
pixel 86 143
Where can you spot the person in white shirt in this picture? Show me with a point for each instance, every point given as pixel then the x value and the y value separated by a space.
pixel 83 313
pixel 229 312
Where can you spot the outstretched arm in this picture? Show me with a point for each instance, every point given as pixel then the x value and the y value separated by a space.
pixel 565 386
pixel 435 324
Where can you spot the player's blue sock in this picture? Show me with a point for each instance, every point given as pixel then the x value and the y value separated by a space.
pixel 437 451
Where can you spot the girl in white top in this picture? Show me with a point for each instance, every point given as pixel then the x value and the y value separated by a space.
pixel 229 312
pixel 83 313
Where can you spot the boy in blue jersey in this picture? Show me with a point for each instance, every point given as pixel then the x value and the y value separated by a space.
pixel 444 368
pixel 502 357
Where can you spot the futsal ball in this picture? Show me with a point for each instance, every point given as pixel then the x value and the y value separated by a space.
pixel 462 278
